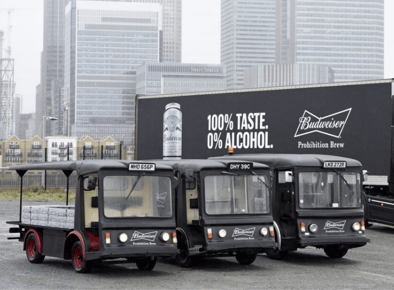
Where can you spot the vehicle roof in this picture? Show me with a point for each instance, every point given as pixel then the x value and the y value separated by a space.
pixel 201 164
pixel 86 166
pixel 291 160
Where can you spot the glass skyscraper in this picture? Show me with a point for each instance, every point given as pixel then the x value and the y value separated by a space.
pixel 248 36
pixel 347 36
pixel 105 43
pixel 279 75
pixel 52 62
pixel 176 78
pixel 171 48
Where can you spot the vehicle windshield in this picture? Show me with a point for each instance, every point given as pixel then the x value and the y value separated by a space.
pixel 329 189
pixel 230 194
pixel 137 196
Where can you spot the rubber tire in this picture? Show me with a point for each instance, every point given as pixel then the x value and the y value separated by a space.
pixel 182 256
pixel 79 263
pixel 245 258
pixel 276 254
pixel 146 264
pixel 335 251
pixel 32 254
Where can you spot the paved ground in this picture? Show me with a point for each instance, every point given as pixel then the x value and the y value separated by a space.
pixel 369 267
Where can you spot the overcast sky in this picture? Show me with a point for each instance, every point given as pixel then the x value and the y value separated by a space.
pixel 200 39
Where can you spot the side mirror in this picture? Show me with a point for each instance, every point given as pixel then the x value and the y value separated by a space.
pixel 365 175
pixel 189 179
pixel 89 183
pixel 288 176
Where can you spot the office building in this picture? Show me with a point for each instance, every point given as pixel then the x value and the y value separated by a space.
pixel 248 37
pixel 171 46
pixel 39 110
pixel 52 57
pixel 347 36
pixel 104 46
pixel 278 75
pixel 172 78
pixel 57 108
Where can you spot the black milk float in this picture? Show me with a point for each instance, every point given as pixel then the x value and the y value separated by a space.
pixel 316 201
pixel 122 210
pixel 223 209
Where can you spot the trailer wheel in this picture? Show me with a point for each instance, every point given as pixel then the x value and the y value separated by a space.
pixel 245 258
pixel 335 251
pixel 32 253
pixel 79 263
pixel 276 254
pixel 146 264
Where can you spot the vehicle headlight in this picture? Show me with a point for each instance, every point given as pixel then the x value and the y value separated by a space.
pixel 264 231
pixel 165 237
pixel 123 237
pixel 222 233
pixel 313 228
pixel 356 226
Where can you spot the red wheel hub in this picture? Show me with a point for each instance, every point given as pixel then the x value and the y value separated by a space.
pixel 78 258
pixel 31 248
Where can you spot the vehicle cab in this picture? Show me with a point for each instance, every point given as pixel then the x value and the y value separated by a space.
pixel 317 201
pixel 122 210
pixel 223 209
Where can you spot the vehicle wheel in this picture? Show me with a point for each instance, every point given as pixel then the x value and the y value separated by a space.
pixel 368 224
pixel 335 251
pixel 146 264
pixel 32 253
pixel 182 256
pixel 245 258
pixel 79 263
pixel 276 254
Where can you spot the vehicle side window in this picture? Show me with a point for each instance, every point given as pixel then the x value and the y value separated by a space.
pixel 192 205
pixel 91 213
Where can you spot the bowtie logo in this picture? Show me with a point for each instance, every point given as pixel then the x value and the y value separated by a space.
pixel 331 125
pixel 137 236
pixel 243 232
pixel 334 225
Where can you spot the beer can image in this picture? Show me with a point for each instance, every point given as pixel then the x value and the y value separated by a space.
pixel 172 131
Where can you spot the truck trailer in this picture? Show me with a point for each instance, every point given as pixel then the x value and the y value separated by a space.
pixel 352 119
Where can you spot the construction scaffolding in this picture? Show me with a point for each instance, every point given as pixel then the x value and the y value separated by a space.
pixel 7 91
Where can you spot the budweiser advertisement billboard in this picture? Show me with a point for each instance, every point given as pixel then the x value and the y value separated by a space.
pixel 346 120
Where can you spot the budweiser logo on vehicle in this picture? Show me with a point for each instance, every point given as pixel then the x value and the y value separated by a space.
pixel 334 225
pixel 331 125
pixel 243 232
pixel 137 236
pixel 161 199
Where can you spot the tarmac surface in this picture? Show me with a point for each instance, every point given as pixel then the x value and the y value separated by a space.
pixel 368 267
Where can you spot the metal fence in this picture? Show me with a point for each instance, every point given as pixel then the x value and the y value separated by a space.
pixel 53 180
pixel 17 154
